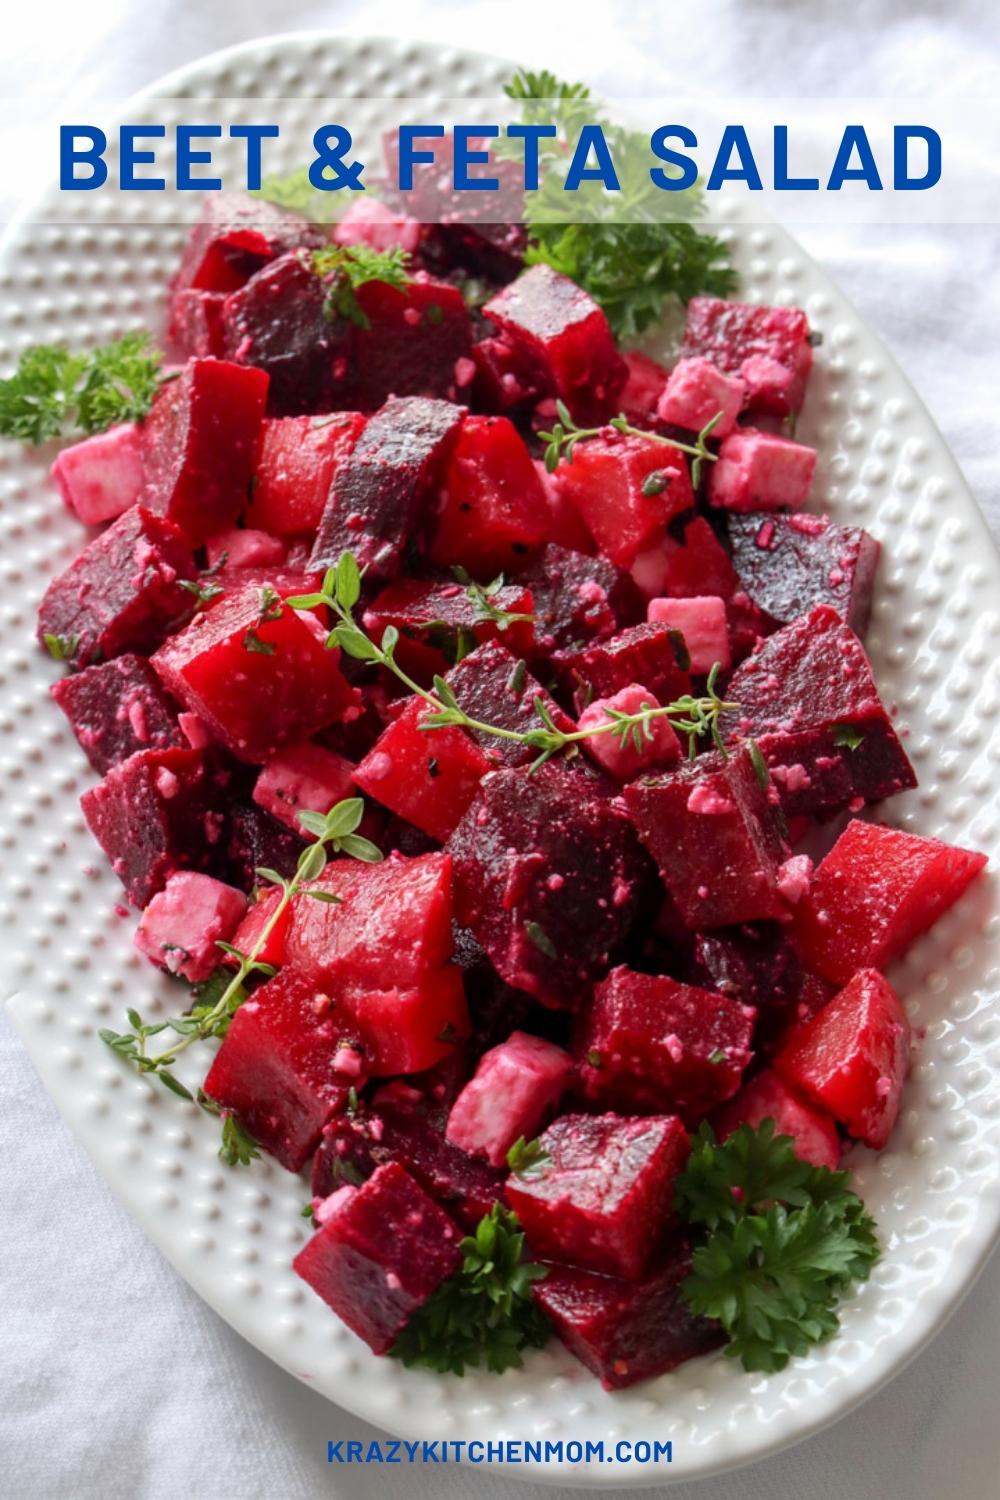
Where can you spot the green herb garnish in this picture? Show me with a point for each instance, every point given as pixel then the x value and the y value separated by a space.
pixel 54 393
pixel 344 268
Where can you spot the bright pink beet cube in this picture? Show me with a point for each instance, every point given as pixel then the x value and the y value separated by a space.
pixel 383 1250
pixel 296 462
pixel 701 620
pixel 241 547
pixel 625 489
pixel 769 348
pixel 199 445
pixel 626 1331
pixel 852 1057
pixel 251 930
pixel 759 471
pixel 182 926
pixel 408 1028
pixel 101 477
pixel 649 1043
pixel 491 511
pixel 696 391
pixel 641 750
pixel 303 777
pixel 428 776
pixel 256 672
pixel 768 1097
pixel 873 895
pixel 600 1195
pixel 116 708
pixel 515 1086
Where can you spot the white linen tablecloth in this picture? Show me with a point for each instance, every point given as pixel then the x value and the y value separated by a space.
pixel 116 1382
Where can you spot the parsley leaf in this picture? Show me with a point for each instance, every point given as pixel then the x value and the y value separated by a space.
pixel 53 392
pixel 847 736
pixel 346 267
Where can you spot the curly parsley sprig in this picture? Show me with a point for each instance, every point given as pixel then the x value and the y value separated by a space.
pixel 564 436
pixel 54 393
pixel 344 268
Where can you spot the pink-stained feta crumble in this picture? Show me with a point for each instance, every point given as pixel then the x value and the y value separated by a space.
pixel 514 1087
pixel 182 926
pixel 645 751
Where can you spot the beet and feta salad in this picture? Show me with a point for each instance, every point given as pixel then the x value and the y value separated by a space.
pixel 462 690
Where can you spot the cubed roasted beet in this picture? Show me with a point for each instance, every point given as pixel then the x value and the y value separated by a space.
pixel 768 347
pixel 195 327
pixel 758 965
pixel 257 673
pixel 715 834
pixel 296 462
pixel 199 445
pixel 852 1057
pixel 789 564
pixel 428 776
pixel 243 547
pixel 379 493
pixel 626 1331
pixel 548 878
pixel 278 323
pixel 495 251
pixel 184 923
pixel 648 1043
pixel 875 892
pixel 698 392
pixel 438 623
pixel 626 489
pixel 560 327
pixel 599 1196
pixel 495 686
pixel 236 235
pixel 686 563
pixel 383 1249
pixel 303 777
pixel 646 379
pixel 577 598
pixel 516 1086
pixel 116 708
pixel 760 471
pixel 652 654
pixel 255 840
pixel 809 701
pixel 251 930
pixel 768 1097
pixel 101 477
pixel 408 1029
pixel 418 341
pixel 491 511
pixel 122 593
pixel 151 817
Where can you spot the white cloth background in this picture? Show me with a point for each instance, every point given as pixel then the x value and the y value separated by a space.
pixel 116 1383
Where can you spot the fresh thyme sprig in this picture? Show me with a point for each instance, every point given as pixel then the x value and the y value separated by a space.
pixel 698 718
pixel 527 1159
pixel 565 435
pixel 483 598
pixel 333 832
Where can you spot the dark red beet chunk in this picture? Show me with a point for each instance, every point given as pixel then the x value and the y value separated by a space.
pixel 650 1043
pixel 256 840
pixel 626 1331
pixel 873 895
pixel 437 622
pixel 151 817
pixel 759 966
pixel 495 251
pixel 547 876
pixel 561 328
pixel 625 489
pixel 296 463
pixel 768 347
pixel 382 1250
pixel 653 655
pixel 116 708
pixel 577 598
pixel 809 701
pixel 379 494
pixel 277 1068
pixel 195 329
pixel 789 563
pixel 496 687
pixel 505 377
pixel 418 342
pixel 199 444
pixel 277 322
pixel 714 832
pixel 236 235
pixel 428 776
pixel 600 1196
pixel 122 592
pixel 491 509
pixel 257 673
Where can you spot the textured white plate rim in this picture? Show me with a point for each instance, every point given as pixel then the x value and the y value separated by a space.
pixel 804 1417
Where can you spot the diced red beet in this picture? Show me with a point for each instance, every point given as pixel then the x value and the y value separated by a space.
pixel 649 1043
pixel 686 565
pixel 303 777
pixel 407 1029
pixel 495 686
pixel 516 1086
pixel 564 524
pixel 600 1194
pixel 714 833
pixel 768 347
pixel 392 925
pixel 696 392
pixel 195 327
pixel 121 593
pixel 368 222
pixel 242 547
pixel 646 379
pixel 577 598
pixel 853 1057
pixel 701 620
pixel 560 327
pixel 151 816
pixel 652 654
pixel 494 251
pixel 768 1097
pixel 101 477
pixel 809 702
pixel 439 622
pixel 760 966
pixel 256 672
pixel 297 460
pixel 505 377
pixel 418 342
pixel 547 877
pixel 184 923
pixel 278 323
pixel 235 236
pixel 427 776
pixel 759 471
pixel 251 928
pixel 789 564
pixel 626 1331
pixel 277 1067
pixel 382 1251
pixel 626 489
pixel 641 749
pixel 116 708
pixel 873 895
pixel 491 509
pixel 379 492
pixel 255 840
